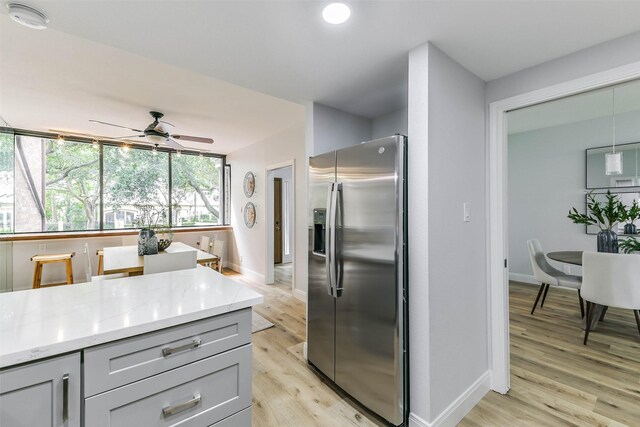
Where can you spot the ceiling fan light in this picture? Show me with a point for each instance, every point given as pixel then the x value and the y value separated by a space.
pixel 155 139
pixel 613 163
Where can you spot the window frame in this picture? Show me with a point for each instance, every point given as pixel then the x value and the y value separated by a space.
pixel 223 222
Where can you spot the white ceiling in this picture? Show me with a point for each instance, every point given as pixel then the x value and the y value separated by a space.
pixel 180 53
pixel 585 106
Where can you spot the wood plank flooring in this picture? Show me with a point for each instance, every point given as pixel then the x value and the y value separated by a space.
pixel 286 392
pixel 283 276
pixel 557 381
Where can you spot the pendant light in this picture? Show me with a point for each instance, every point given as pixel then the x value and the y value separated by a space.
pixel 613 160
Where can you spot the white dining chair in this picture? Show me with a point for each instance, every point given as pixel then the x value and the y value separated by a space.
pixel 612 280
pixel 205 244
pixel 169 261
pixel 549 276
pixel 218 250
pixel 88 272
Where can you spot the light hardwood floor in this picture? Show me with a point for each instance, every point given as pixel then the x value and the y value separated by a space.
pixel 286 392
pixel 555 379
pixel 283 276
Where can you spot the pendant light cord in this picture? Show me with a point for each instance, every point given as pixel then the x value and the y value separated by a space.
pixel 613 110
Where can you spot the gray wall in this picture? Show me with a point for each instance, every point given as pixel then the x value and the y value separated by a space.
pixel 332 129
pixel 547 178
pixel 448 311
pixel 604 56
pixel 390 124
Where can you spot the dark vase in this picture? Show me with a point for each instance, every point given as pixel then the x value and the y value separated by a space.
pixel 608 242
pixel 147 242
pixel 630 228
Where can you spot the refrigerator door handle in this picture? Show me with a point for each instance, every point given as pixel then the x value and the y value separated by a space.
pixel 330 239
pixel 338 221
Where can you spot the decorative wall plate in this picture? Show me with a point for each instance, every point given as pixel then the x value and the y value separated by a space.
pixel 249 184
pixel 249 214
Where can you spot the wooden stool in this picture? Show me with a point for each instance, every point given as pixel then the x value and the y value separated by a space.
pixel 48 259
pixel 100 254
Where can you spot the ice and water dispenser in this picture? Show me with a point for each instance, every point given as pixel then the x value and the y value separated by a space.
pixel 319 221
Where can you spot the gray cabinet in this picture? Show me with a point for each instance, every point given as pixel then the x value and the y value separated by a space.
pixel 42 394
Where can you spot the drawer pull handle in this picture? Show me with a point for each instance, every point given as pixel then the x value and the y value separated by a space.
pixel 168 351
pixel 65 397
pixel 168 411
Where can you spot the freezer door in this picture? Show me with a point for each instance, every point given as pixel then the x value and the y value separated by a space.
pixel 369 335
pixel 320 304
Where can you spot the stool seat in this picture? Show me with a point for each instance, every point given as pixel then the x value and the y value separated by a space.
pixel 41 260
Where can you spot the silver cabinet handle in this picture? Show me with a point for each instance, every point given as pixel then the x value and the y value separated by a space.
pixel 328 239
pixel 168 351
pixel 168 411
pixel 65 397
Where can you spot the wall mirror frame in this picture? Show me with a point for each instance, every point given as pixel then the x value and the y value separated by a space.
pixel 596 179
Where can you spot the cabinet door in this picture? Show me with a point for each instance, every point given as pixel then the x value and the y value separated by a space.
pixel 41 394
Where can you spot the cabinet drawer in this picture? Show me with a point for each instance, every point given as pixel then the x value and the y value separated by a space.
pixel 115 364
pixel 241 419
pixel 199 394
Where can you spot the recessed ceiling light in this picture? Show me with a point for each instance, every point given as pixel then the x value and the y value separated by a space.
pixel 336 13
pixel 27 16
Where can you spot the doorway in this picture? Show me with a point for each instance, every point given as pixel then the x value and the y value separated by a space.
pixel 497 227
pixel 280 226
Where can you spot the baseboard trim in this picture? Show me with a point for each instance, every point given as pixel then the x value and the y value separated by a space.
pixel 459 407
pixel 523 278
pixel 301 295
pixel 252 275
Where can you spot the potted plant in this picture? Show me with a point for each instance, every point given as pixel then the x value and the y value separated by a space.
pixel 147 220
pixel 604 216
pixel 630 216
pixel 630 245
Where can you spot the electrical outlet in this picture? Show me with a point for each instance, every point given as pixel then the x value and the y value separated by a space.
pixel 42 247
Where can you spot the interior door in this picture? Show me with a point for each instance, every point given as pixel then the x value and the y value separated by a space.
pixel 368 317
pixel 320 304
pixel 277 220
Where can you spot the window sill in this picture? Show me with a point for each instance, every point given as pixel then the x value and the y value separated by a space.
pixel 84 234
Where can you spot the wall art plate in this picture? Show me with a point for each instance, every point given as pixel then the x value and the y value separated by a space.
pixel 249 184
pixel 249 214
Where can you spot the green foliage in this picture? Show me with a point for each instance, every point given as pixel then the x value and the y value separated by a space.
pixel 630 245
pixel 605 217
pixel 632 214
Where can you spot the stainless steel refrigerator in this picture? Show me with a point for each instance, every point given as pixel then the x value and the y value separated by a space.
pixel 357 300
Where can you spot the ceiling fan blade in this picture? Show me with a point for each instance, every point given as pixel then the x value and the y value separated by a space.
pixel 118 126
pixel 193 138
pixel 173 144
pixel 129 136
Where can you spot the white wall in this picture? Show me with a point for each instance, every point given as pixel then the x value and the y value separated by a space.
pixel 390 124
pixel 23 250
pixel 604 56
pixel 448 304
pixel 248 254
pixel 331 129
pixel 547 178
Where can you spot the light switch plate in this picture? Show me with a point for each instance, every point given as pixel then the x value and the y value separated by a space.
pixel 467 211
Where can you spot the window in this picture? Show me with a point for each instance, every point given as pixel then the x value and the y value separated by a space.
pixel 133 178
pixel 50 184
pixel 57 185
pixel 6 182
pixel 195 190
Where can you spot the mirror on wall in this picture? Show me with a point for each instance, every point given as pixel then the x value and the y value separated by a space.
pixel 630 177
pixel 627 199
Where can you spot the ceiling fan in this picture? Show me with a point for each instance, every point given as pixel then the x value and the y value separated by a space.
pixel 156 132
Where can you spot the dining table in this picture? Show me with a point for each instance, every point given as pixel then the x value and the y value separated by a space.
pixel 125 259
pixel 575 258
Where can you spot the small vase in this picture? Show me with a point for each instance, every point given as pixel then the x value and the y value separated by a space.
pixel 608 241
pixel 630 228
pixel 147 242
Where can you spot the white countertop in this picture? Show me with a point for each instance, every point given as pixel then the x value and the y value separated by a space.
pixel 39 323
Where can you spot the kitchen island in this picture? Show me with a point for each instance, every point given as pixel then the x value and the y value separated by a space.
pixel 146 350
